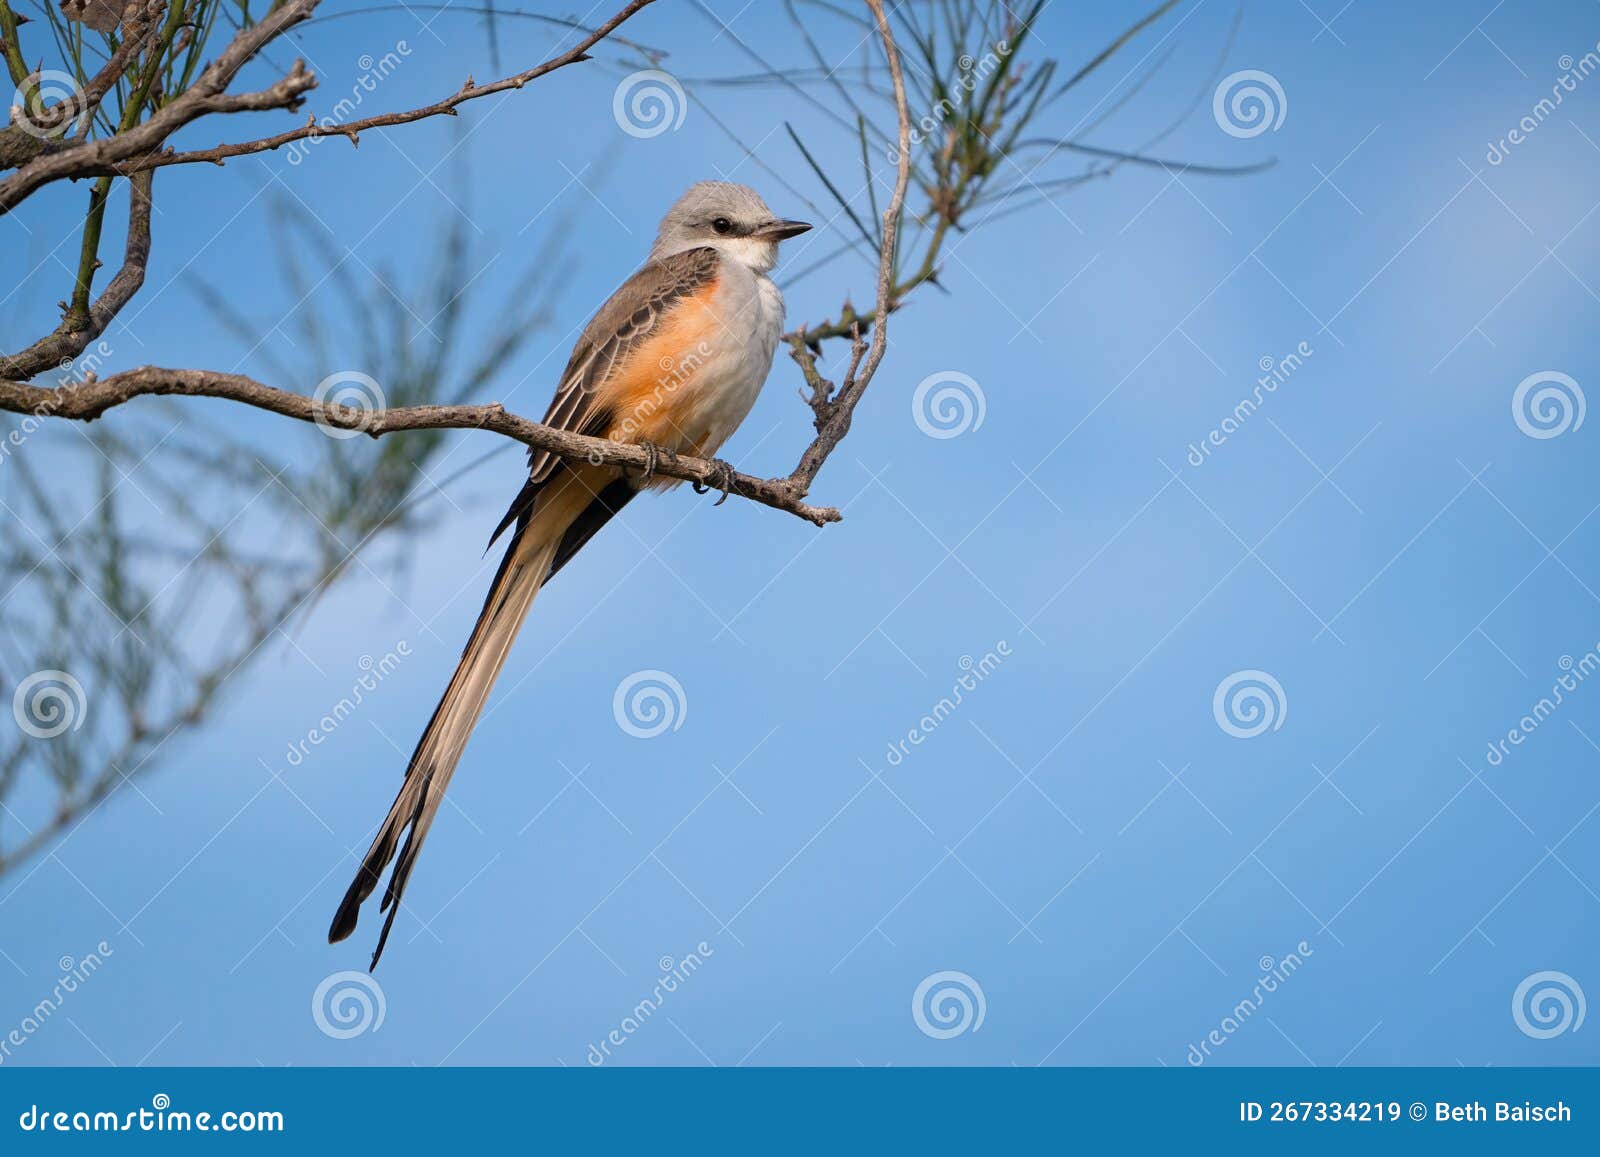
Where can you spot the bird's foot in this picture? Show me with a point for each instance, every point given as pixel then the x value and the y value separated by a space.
pixel 652 456
pixel 721 478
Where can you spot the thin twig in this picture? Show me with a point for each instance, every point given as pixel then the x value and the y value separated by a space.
pixel 833 412
pixel 351 130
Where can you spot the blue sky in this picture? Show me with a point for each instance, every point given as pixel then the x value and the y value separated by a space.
pixel 1082 838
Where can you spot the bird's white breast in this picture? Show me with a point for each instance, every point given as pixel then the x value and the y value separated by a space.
pixel 749 311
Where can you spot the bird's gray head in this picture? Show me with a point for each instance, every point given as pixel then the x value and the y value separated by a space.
pixel 728 217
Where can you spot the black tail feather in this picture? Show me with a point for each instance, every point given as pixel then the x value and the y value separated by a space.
pixel 569 513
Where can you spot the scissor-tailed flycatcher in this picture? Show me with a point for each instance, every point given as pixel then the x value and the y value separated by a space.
pixel 674 360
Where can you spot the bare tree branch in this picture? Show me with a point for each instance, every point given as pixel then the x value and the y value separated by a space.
pixel 208 94
pixel 139 147
pixel 352 129
pixel 833 413
pixel 73 335
pixel 142 25
pixel 961 61
pixel 86 401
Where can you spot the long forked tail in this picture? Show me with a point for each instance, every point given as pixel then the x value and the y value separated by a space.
pixel 534 547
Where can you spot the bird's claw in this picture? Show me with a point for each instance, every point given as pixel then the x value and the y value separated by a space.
pixel 721 478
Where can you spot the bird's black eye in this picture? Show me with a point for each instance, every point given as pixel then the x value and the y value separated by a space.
pixel 722 225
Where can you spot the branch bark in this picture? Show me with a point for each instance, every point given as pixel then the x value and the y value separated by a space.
pixel 18 145
pixel 137 148
pixel 73 335
pixel 352 130
pixel 140 148
pixel 208 94
pixel 834 410
pixel 89 399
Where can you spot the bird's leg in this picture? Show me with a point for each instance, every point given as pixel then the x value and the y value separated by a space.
pixel 721 478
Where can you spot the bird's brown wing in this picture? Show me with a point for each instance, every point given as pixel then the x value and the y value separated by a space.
pixel 623 323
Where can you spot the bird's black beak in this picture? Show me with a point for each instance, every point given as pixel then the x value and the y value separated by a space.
pixel 780 230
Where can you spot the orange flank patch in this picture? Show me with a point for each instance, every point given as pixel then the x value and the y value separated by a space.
pixel 651 396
